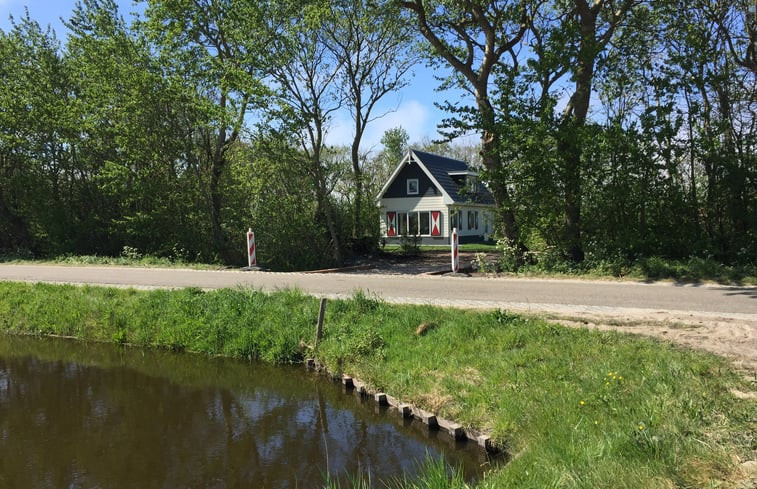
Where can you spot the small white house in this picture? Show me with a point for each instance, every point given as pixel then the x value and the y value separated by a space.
pixel 428 195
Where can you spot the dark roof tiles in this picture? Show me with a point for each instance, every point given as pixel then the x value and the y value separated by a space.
pixel 440 167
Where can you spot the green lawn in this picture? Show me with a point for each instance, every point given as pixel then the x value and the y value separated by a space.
pixel 123 260
pixel 571 407
pixel 467 247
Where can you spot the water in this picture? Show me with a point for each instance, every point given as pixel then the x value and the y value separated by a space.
pixel 83 415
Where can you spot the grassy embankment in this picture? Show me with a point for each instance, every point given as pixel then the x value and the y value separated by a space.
pixel 573 408
pixel 130 260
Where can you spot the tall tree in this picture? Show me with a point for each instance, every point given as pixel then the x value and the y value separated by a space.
pixel 306 76
pixel 719 88
pixel 219 48
pixel 395 141
pixel 130 127
pixel 372 43
pixel 479 40
pixel 33 126
pixel 591 26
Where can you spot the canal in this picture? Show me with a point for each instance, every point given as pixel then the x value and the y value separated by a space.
pixel 86 415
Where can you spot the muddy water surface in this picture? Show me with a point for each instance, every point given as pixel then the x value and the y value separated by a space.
pixel 83 415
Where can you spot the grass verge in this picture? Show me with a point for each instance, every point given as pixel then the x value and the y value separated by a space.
pixel 129 260
pixel 574 408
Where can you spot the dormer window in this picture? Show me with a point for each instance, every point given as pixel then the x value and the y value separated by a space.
pixel 412 186
pixel 466 180
pixel 471 183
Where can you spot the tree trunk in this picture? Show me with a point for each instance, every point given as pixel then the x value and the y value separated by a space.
pixel 325 207
pixel 570 150
pixel 357 216
pixel 322 196
pixel 217 164
pixel 219 240
pixel 505 221
pixel 570 145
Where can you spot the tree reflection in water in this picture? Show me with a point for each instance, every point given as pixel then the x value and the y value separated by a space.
pixel 83 415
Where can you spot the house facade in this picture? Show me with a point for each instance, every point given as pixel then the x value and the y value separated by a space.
pixel 428 195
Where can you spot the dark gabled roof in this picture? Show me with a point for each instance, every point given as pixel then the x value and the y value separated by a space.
pixel 440 168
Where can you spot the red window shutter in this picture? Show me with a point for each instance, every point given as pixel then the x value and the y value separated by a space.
pixel 435 224
pixel 390 224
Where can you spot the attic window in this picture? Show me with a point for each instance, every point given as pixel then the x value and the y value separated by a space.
pixel 412 186
pixel 471 183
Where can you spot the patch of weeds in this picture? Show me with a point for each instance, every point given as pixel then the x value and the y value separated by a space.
pixel 365 303
pixel 506 318
pixel 509 256
pixel 119 337
pixel 131 253
pixel 482 265
pixel 410 244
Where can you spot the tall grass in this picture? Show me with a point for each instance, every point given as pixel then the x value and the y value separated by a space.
pixel 240 323
pixel 573 408
pixel 693 269
pixel 129 257
pixel 432 474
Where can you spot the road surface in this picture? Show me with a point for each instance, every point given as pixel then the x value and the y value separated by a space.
pixel 559 296
pixel 722 319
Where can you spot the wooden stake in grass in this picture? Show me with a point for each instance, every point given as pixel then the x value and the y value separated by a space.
pixel 319 327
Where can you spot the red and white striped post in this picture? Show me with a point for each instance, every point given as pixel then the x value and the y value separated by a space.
pixel 455 258
pixel 252 259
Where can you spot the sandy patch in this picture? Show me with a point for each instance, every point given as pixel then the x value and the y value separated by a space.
pixel 735 339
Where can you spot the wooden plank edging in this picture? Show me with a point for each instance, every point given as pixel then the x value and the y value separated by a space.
pixel 433 422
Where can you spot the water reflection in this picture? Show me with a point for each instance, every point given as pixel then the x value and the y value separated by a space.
pixel 85 415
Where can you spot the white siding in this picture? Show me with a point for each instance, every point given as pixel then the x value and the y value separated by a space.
pixel 411 204
pixel 414 204
pixel 484 221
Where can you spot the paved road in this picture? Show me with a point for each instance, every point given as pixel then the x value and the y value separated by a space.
pixel 565 297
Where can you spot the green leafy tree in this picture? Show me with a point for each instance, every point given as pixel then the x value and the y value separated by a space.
pixel 587 28
pixel 479 40
pixel 129 118
pixel 219 47
pixel 718 86
pixel 269 194
pixel 307 97
pixel 372 42
pixel 38 182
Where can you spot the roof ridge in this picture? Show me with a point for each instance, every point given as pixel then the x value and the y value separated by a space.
pixel 420 153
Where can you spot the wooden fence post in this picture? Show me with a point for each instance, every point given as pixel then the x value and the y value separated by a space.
pixel 319 327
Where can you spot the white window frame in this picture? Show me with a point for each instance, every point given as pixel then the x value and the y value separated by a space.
pixel 410 183
pixel 403 222
pixel 472 220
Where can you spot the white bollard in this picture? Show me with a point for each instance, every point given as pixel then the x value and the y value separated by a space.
pixel 455 258
pixel 252 259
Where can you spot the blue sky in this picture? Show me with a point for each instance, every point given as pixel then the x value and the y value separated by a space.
pixel 412 108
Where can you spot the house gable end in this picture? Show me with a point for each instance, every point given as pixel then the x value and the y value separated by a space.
pixel 398 188
pixel 422 174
